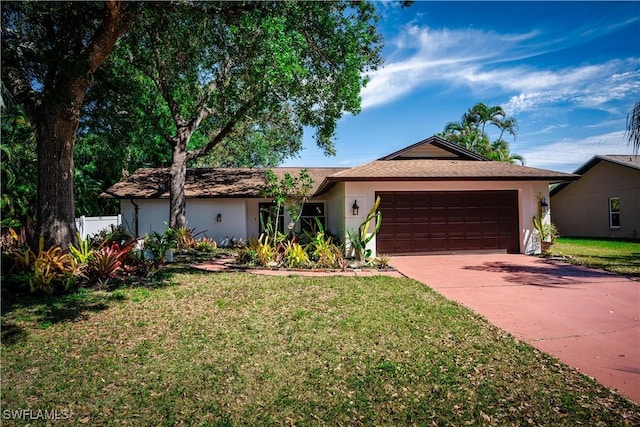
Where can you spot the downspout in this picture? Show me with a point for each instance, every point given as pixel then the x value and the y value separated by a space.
pixel 135 216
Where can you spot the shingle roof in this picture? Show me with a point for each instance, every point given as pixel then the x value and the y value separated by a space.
pixel 432 159
pixel 205 182
pixel 428 169
pixel 621 159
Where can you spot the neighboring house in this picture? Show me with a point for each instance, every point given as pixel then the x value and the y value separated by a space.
pixel 605 202
pixel 435 197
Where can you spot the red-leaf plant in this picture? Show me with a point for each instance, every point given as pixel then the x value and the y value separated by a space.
pixel 108 260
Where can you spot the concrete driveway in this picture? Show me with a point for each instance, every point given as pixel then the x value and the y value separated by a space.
pixel 589 319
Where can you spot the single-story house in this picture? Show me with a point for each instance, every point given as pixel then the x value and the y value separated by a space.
pixel 605 202
pixel 435 197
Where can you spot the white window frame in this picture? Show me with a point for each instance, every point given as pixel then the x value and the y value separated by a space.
pixel 612 212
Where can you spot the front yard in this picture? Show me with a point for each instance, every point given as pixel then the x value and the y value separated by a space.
pixel 616 256
pixel 240 349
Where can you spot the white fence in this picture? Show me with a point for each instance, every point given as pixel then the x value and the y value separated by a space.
pixel 88 225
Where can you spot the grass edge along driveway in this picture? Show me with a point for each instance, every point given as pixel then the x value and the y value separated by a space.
pixel 241 349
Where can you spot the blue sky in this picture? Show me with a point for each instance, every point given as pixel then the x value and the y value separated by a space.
pixel 569 72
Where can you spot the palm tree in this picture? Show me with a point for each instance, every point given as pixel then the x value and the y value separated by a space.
pixel 633 127
pixel 470 132
pixel 509 125
pixel 500 152
pixel 479 115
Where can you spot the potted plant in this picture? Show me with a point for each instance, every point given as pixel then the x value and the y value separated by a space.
pixel 547 232
pixel 169 243
pixel 160 246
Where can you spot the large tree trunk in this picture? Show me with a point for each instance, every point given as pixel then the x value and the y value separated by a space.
pixel 54 111
pixel 180 157
pixel 56 132
pixel 177 197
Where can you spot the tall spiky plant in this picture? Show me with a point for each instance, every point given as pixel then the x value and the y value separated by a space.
pixel 362 237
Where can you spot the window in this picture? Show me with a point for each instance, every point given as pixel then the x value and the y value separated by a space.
pixel 311 211
pixel 614 212
pixel 267 212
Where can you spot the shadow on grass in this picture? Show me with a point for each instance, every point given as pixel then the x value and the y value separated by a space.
pixel 22 311
pixel 621 264
pixel 45 311
pixel 547 273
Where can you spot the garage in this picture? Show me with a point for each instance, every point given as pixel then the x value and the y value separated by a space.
pixel 448 221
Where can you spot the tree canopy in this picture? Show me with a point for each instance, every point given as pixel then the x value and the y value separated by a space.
pixel 50 52
pixel 471 133
pixel 186 77
pixel 249 80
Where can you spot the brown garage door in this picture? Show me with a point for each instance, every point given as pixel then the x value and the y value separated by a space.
pixel 434 221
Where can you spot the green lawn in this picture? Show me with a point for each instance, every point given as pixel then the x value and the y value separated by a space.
pixel 240 349
pixel 610 255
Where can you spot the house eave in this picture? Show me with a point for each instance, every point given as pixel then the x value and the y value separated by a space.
pixel 330 182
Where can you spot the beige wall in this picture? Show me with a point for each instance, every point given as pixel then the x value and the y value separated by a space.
pixel 582 208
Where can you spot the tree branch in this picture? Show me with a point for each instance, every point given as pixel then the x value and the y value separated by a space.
pixel 115 24
pixel 223 133
pixel 21 91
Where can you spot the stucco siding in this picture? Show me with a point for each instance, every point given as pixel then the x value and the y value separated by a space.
pixel 202 214
pixel 582 208
pixel 153 215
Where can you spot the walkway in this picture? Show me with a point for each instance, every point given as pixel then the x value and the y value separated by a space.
pixel 588 319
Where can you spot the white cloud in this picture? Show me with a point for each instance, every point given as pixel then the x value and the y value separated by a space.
pixel 483 61
pixel 436 56
pixel 569 153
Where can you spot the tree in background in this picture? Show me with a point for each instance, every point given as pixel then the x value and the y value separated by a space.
pixel 470 132
pixel 18 169
pixel 267 70
pixel 250 79
pixel 633 127
pixel 120 131
pixel 50 52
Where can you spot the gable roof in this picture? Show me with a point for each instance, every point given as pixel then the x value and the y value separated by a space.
pixel 443 170
pixel 618 159
pixel 432 159
pixel 153 183
pixel 435 159
pixel 629 161
pixel 434 148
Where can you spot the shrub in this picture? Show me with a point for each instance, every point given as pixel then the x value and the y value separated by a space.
pixel 247 256
pixel 159 244
pixel 108 261
pixel 45 272
pixel 361 237
pixel 113 234
pixel 206 245
pixel 83 253
pixel 324 252
pixel 295 255
pixel 266 252
pixel 180 238
pixel 382 262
